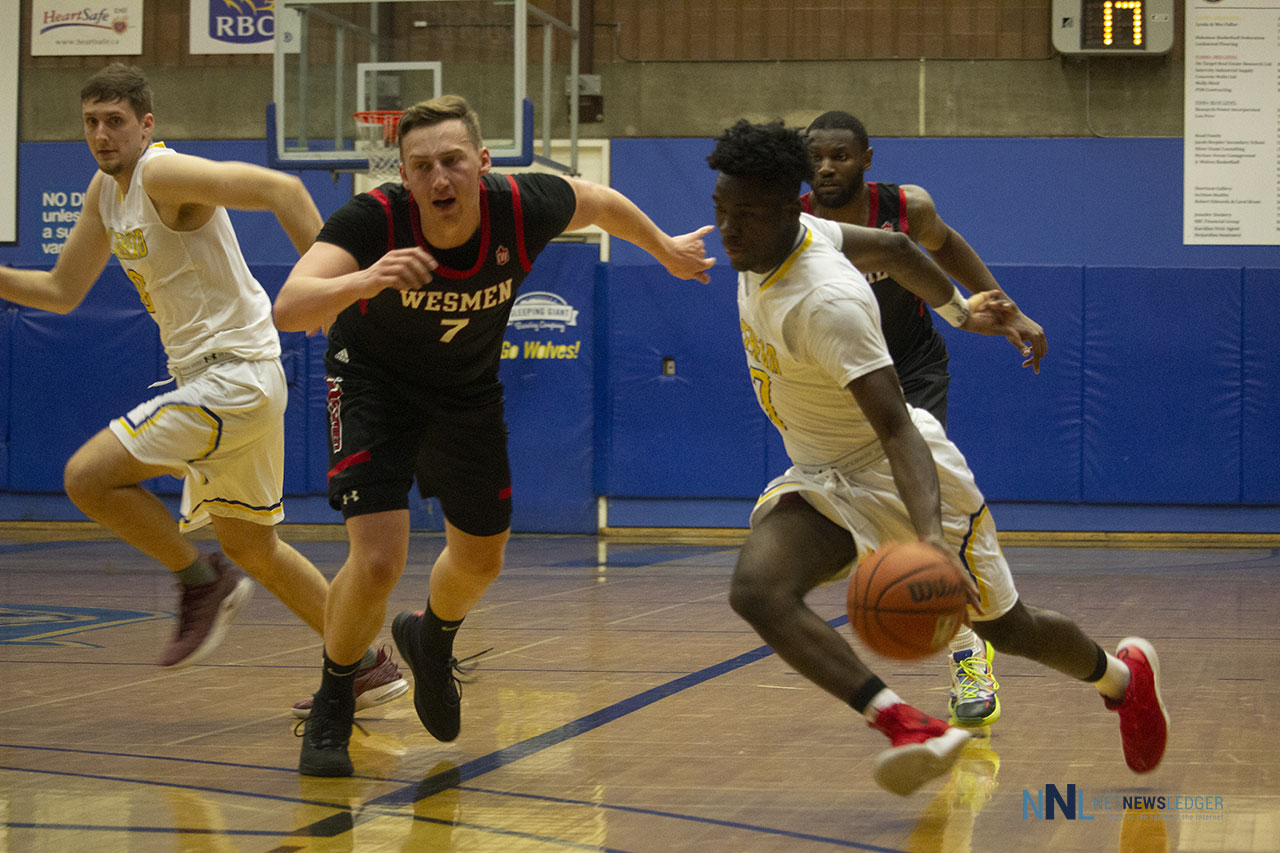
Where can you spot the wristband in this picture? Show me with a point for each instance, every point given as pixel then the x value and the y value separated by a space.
pixel 956 310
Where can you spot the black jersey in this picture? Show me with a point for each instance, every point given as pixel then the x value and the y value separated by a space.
pixel 447 336
pixel 905 319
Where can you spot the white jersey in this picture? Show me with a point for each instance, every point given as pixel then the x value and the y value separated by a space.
pixel 810 327
pixel 195 284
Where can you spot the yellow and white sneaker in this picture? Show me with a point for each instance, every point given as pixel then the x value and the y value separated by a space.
pixel 973 688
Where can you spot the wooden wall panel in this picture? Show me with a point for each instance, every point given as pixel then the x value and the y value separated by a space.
pixel 683 30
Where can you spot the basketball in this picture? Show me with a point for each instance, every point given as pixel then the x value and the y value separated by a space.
pixel 906 600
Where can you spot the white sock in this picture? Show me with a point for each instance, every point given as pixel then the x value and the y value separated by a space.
pixel 879 702
pixel 1115 681
pixel 966 639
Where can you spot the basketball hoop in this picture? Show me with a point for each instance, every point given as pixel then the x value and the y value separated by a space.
pixel 377 134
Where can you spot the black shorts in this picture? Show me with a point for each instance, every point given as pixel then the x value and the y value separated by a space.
pixel 379 442
pixel 925 387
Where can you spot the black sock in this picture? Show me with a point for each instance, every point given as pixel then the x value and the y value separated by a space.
pixel 437 634
pixel 862 697
pixel 1100 668
pixel 338 682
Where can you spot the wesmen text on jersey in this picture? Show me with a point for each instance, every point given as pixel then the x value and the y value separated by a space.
pixel 448 334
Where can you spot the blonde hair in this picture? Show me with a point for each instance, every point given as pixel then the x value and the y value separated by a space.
pixel 442 109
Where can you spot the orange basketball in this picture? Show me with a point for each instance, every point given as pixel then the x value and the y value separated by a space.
pixel 906 600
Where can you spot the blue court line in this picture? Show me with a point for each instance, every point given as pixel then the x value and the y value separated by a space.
pixel 409 795
pixel 453 778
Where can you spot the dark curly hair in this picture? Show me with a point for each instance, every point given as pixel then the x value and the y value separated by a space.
pixel 771 152
pixel 837 120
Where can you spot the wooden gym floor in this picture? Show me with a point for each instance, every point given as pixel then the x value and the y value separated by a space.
pixel 623 707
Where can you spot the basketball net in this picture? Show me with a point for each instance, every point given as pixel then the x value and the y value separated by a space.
pixel 377 136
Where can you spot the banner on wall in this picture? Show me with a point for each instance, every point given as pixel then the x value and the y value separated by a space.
pixel 71 28
pixel 241 26
pixel 1231 156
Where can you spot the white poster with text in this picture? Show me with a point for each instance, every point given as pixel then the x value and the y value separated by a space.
pixel 70 28
pixel 1231 159
pixel 241 26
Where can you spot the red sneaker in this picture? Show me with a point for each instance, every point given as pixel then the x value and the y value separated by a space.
pixel 1144 723
pixel 205 612
pixel 923 748
pixel 380 682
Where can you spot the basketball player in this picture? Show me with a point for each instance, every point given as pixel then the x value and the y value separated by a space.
pixel 417 278
pixel 841 155
pixel 868 469
pixel 162 214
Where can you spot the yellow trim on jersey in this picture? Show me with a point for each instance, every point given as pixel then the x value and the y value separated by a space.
pixel 154 416
pixel 774 492
pixel 786 265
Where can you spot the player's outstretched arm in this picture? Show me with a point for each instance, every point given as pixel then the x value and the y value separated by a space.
pixel 684 256
pixel 896 254
pixel 183 179
pixel 328 278
pixel 954 254
pixel 82 260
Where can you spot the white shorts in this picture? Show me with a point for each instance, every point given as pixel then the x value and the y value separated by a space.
pixel 223 432
pixel 858 493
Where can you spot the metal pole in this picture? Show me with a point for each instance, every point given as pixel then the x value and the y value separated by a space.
pixel 547 33
pixel 303 61
pixel 340 62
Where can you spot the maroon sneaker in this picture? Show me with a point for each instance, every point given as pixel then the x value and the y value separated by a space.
pixel 379 682
pixel 205 611
pixel 923 748
pixel 1144 722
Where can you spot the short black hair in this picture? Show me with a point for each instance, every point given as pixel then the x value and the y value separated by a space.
pixel 839 120
pixel 771 152
pixel 119 82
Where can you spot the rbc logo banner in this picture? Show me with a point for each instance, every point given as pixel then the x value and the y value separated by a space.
pixel 241 26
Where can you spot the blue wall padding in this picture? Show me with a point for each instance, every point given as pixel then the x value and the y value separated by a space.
pixel 1260 453
pixel 1159 386
pixel 8 316
pixel 1016 201
pixel 1020 431
pixel 550 397
pixel 1162 396
pixel 67 167
pixel 697 433
pixel 668 179
pixel 72 374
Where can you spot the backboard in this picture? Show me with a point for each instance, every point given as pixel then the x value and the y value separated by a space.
pixel 390 54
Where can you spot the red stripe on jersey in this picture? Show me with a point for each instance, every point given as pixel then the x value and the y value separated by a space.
pixel 806 202
pixel 484 237
pixel 391 223
pixel 902 211
pixel 519 214
pixel 353 459
pixel 873 205
pixel 504 493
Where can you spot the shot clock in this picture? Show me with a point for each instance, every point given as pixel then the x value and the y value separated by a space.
pixel 1122 27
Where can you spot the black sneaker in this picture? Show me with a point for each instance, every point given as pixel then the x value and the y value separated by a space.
pixel 326 733
pixel 435 685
